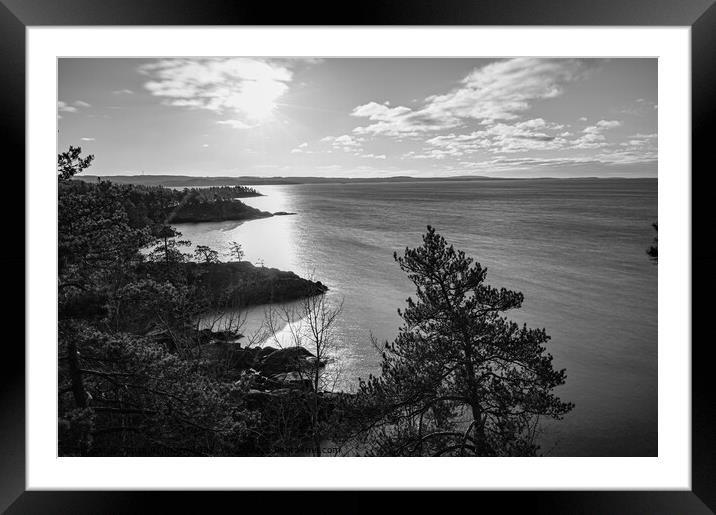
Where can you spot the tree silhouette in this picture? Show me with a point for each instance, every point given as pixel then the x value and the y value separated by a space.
pixel 70 163
pixel 460 378
pixel 236 250
pixel 206 254
pixel 167 248
pixel 653 251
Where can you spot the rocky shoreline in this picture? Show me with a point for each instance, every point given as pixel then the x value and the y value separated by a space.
pixel 273 373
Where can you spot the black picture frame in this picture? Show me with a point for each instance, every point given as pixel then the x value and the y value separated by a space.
pixel 700 15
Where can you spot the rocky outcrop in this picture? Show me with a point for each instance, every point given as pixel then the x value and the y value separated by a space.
pixel 281 361
pixel 268 368
pixel 240 284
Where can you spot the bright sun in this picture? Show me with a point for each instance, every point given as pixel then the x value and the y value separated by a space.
pixel 257 99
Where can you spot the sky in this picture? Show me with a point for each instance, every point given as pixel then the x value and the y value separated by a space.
pixel 361 117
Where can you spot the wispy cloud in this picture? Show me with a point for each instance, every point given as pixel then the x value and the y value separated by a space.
pixel 245 88
pixel 123 92
pixel 537 135
pixel 301 149
pixel 499 91
pixel 639 108
pixel 66 107
pixel 87 139
pixel 235 124
pixel 346 144
pixel 533 134
pixel 504 89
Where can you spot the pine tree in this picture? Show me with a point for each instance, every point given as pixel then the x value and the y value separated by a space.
pixel 460 378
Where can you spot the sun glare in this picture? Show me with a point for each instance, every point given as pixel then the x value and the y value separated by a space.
pixel 257 99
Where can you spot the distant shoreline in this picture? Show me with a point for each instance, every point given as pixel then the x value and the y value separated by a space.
pixel 188 181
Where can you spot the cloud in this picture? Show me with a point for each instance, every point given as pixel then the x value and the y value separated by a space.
pixel 502 164
pixel 301 149
pixel 205 145
pixel 533 134
pixel 593 136
pixel 246 88
pixel 639 145
pixel 66 107
pixel 397 121
pixel 630 156
pixel 342 141
pixel 345 142
pixel 503 89
pixel 87 139
pixel 123 92
pixel 499 91
pixel 608 124
pixel 640 107
pixel 536 135
pixel 531 162
pixel 235 124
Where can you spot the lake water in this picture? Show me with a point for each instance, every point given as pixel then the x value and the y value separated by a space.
pixel 575 248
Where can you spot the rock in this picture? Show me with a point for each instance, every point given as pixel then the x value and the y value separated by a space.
pixel 282 213
pixel 265 351
pixel 286 360
pixel 219 337
pixel 245 359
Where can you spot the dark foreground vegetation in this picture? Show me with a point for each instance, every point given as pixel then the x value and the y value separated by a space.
pixel 145 370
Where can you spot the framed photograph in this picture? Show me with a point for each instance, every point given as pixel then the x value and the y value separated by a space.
pixel 393 240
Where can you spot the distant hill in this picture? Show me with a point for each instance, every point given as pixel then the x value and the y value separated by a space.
pixel 184 181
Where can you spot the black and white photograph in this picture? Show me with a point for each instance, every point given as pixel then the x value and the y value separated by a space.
pixel 357 257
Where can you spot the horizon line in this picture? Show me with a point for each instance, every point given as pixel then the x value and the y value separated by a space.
pixel 363 178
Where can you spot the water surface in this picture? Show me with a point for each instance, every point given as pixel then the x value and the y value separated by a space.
pixel 575 248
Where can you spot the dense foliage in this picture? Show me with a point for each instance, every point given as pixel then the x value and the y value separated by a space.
pixel 156 205
pixel 131 381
